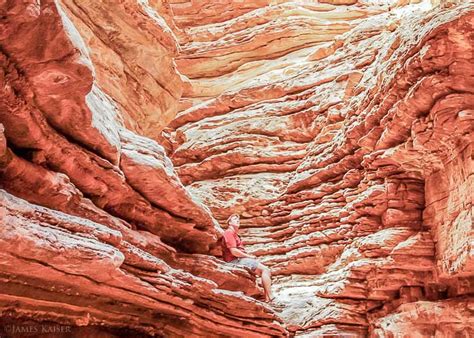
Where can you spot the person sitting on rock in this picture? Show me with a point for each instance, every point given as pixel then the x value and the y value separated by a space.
pixel 233 251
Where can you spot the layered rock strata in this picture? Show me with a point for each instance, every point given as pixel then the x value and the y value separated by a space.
pixel 96 228
pixel 350 158
pixel 340 130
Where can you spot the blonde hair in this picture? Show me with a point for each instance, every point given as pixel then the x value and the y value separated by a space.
pixel 232 216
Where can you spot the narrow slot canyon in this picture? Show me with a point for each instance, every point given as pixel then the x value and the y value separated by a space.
pixel 340 131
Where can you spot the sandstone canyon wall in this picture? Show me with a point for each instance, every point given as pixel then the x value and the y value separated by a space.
pixel 340 130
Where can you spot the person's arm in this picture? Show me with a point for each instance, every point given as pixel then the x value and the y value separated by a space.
pixel 239 253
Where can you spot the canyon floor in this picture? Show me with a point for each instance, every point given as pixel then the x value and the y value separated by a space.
pixel 341 131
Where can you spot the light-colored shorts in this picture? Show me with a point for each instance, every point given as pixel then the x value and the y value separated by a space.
pixel 250 263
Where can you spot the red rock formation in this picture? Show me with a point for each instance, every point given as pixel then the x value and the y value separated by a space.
pixel 87 205
pixel 340 130
pixel 132 48
pixel 350 159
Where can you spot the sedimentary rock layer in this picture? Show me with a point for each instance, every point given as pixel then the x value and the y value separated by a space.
pixel 340 130
pixel 132 48
pixel 58 117
pixel 350 159
pixel 74 271
pixel 97 229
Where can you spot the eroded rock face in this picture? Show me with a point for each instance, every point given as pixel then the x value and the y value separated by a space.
pixel 349 157
pixel 96 227
pixel 341 131
pixel 132 47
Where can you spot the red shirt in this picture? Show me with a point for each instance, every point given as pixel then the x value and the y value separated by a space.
pixel 230 240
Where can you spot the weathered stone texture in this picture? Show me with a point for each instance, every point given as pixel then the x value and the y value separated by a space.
pixel 96 227
pixel 350 157
pixel 340 130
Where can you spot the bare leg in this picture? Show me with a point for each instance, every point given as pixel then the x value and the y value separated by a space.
pixel 266 274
